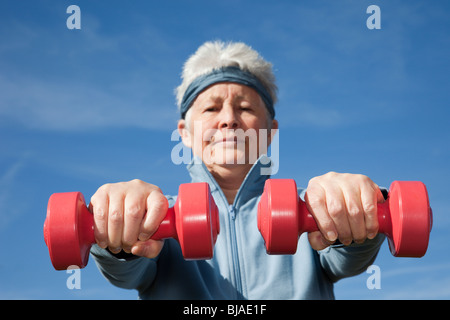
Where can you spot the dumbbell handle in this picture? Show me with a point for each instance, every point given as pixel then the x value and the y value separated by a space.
pixel 307 223
pixel 167 228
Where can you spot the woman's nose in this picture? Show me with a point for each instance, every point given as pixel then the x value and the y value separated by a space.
pixel 228 119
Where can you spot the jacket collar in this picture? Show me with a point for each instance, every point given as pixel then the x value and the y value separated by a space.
pixel 252 185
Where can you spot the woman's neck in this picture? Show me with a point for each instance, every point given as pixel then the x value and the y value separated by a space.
pixel 230 178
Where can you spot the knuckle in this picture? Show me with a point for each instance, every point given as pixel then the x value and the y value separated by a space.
pixel 356 177
pixel 115 216
pixel 157 191
pixel 370 208
pixel 314 199
pixel 100 213
pixel 317 180
pixel 330 174
pixel 133 211
pixel 335 208
pixel 94 198
pixel 98 196
pixel 315 203
pixel 332 177
pixel 364 178
pixel 160 203
pixel 313 180
pixel 104 189
pixel 136 182
pixel 314 184
pixel 354 210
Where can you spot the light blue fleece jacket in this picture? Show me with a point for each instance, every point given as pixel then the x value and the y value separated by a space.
pixel 240 268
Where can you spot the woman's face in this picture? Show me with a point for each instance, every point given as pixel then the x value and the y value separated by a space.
pixel 228 124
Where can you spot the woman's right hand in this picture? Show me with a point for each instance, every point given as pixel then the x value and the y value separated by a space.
pixel 126 215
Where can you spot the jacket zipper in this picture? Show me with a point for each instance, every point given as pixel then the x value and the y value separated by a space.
pixel 234 250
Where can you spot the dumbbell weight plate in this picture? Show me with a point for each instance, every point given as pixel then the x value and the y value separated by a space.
pixel 412 219
pixel 277 216
pixel 197 221
pixel 68 230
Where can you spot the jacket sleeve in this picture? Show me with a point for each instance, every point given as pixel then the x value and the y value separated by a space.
pixel 340 261
pixel 127 272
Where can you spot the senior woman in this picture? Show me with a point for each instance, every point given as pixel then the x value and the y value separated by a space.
pixel 225 88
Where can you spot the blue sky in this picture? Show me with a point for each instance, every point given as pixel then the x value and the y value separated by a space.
pixel 80 108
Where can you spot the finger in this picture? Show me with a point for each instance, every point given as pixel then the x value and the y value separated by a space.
pixel 157 206
pixel 337 210
pixel 149 248
pixel 115 223
pixel 370 196
pixel 355 213
pixel 99 208
pixel 316 203
pixel 134 210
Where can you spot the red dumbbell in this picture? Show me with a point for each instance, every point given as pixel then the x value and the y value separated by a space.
pixel 405 217
pixel 193 221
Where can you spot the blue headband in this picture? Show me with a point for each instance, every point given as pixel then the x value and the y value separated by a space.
pixel 226 74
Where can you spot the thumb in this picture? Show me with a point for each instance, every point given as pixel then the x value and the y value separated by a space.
pixel 149 249
pixel 317 241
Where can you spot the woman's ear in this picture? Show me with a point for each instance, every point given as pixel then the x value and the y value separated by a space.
pixel 275 124
pixel 185 135
pixel 273 130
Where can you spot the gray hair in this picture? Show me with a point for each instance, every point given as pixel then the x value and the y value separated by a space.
pixel 215 55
